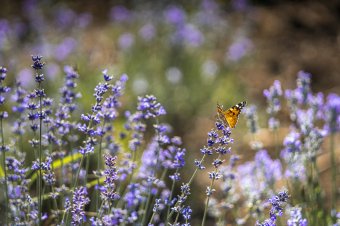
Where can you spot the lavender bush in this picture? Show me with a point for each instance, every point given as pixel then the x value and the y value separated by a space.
pixel 109 167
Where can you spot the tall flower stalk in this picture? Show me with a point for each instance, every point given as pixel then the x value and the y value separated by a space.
pixel 40 93
pixel 3 114
pixel 219 141
pixel 273 95
pixel 277 203
pixel 332 125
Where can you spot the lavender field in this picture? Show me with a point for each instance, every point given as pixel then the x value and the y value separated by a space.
pixel 169 113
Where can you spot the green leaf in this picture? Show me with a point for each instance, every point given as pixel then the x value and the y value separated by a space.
pixel 95 182
pixel 2 173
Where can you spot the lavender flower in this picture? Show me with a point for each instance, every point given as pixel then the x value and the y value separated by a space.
pixel 222 204
pixel 38 65
pixel 218 141
pixel 291 96
pixel 23 208
pixel 273 95
pixel 277 202
pixel 126 41
pixel 149 107
pixel 175 15
pixel 3 89
pixel 133 197
pixel 296 218
pixel 80 200
pixel 317 104
pixel 108 192
pixel 186 213
pixel 147 32
pixel 120 14
pixel 303 87
pixel 301 95
pixel 240 48
pixel 332 111
pixel 251 115
pixel 48 175
pixel 258 177
pixel 292 142
pixel 102 110
pixel 156 207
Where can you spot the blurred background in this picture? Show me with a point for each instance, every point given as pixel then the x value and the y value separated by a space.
pixel 189 54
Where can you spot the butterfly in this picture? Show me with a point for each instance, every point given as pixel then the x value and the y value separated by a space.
pixel 230 116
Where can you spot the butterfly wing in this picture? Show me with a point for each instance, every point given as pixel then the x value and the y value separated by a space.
pixel 231 115
pixel 221 114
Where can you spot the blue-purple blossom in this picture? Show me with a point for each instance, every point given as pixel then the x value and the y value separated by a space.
pixel 38 65
pixel 316 102
pixel 296 218
pixel 240 48
pixel 147 32
pixel 134 196
pixel 302 96
pixel 186 213
pixel 120 13
pixel 149 106
pixel 79 202
pixel 175 15
pixel 20 99
pixel 277 202
pixel 332 112
pixel 256 177
pixel 156 206
pixel 251 115
pixel 303 87
pixel 126 41
pixel 110 173
pixel 292 99
pixel 267 222
pixel 273 95
pixel 3 89
pixel 292 142
pixel 191 35
pixel 65 48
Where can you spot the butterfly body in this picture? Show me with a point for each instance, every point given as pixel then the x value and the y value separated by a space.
pixel 230 116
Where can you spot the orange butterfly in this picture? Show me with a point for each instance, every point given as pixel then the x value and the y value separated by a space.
pixel 230 116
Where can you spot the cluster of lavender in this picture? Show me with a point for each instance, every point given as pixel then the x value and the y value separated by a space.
pixel 49 177
pixel 48 159
pixel 314 119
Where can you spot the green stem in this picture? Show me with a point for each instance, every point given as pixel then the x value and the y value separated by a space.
pixel 40 159
pixel 74 186
pixel 152 200
pixel 154 175
pixel 177 204
pixel 207 201
pixel 78 172
pixel 72 157
pixel 146 206
pixel 122 191
pixel 87 165
pixel 177 215
pixel 99 157
pixel 170 198
pixel 55 205
pixel 152 216
pixel 5 171
pixel 334 172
